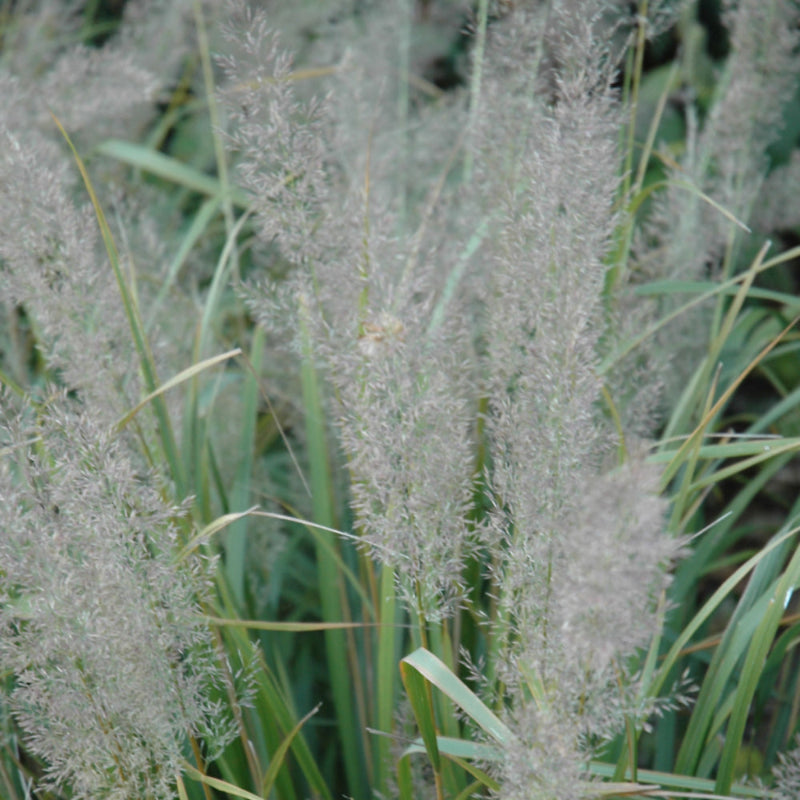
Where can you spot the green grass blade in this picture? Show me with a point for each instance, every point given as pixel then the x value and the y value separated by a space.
pixel 169 169
pixel 618 355
pixel 710 606
pixel 184 375
pixel 682 784
pixel 420 699
pixel 752 671
pixel 205 534
pixel 330 582
pixel 197 229
pixel 716 682
pixel 692 441
pixel 405 783
pixel 460 748
pixel 438 673
pixel 280 754
pixel 236 539
pixel 273 717
pixel 146 361
pixel 286 627
pixel 229 788
pixel 386 678
pixel 325 538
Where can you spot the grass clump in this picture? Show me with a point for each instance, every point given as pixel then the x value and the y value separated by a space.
pixel 392 440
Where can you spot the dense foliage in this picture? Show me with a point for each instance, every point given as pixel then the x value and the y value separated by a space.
pixel 399 399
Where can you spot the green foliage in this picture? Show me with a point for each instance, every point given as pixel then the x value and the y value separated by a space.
pixel 364 437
